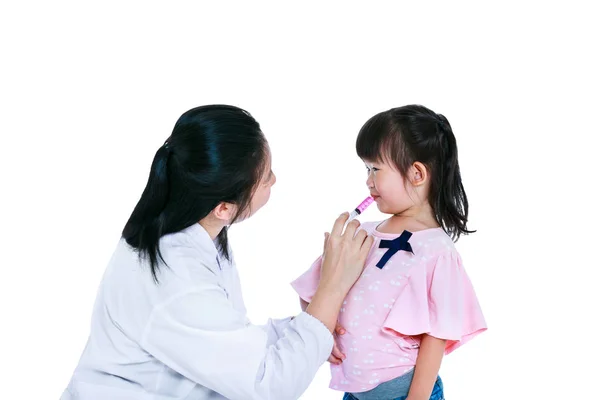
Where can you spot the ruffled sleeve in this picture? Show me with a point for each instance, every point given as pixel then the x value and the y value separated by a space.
pixel 306 284
pixel 439 300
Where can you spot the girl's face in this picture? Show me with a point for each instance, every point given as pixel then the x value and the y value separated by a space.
pixel 388 187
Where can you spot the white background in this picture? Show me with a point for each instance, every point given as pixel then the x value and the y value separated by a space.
pixel 89 91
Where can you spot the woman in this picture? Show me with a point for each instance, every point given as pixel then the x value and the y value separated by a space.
pixel 169 321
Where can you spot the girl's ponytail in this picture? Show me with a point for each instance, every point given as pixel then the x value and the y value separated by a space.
pixel 447 194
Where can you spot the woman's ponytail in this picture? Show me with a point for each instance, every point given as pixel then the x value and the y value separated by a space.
pixel 147 222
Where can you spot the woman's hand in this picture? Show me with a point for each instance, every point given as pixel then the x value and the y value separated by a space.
pixel 344 255
pixel 337 356
pixel 343 261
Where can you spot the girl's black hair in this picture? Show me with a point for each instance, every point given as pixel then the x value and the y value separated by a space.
pixel 216 153
pixel 412 133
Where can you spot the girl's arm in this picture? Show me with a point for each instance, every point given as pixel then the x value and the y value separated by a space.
pixel 428 365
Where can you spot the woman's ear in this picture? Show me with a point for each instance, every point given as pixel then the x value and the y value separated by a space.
pixel 225 212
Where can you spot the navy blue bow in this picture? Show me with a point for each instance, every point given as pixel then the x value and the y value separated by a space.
pixel 394 246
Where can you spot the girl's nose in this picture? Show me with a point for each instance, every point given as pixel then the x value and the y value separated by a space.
pixel 370 181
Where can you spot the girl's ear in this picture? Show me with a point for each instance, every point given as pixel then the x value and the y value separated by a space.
pixel 418 174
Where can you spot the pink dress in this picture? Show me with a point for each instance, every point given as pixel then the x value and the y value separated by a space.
pixel 425 290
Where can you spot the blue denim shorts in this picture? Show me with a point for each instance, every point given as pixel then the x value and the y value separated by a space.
pixel 436 394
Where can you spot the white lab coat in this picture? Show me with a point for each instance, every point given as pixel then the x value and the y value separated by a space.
pixel 189 337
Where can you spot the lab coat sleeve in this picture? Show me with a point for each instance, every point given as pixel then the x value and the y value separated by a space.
pixel 202 336
pixel 275 329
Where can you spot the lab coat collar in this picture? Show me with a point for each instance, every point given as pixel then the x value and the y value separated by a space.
pixel 202 239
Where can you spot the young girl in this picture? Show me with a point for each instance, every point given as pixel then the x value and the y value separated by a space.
pixel 414 302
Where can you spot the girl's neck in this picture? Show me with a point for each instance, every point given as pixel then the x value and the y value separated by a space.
pixel 413 219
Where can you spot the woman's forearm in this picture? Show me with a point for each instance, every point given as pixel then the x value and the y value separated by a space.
pixel 427 368
pixel 325 305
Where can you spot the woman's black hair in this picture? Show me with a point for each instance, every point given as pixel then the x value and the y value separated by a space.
pixel 414 133
pixel 216 153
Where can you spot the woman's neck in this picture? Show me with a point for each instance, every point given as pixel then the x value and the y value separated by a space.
pixel 212 226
